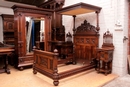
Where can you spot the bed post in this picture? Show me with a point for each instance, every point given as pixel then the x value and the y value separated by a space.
pixel 74 30
pixel 74 16
pixel 55 74
pixel 97 28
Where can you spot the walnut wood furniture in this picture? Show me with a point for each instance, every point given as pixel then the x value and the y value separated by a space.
pixel 105 54
pixel 85 38
pixel 105 60
pixel 52 20
pixel 5 52
pixel 20 12
pixel 8 32
pixel 8 29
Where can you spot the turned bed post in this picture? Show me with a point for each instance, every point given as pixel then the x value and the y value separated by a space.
pixel 74 16
pixel 97 28
pixel 74 30
pixel 55 74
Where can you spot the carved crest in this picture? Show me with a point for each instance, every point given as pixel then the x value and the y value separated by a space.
pixel 107 39
pixel 86 28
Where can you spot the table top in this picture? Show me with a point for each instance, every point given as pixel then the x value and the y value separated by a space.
pixel 105 49
pixel 6 48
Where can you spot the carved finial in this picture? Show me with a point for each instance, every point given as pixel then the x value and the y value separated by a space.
pixel 55 51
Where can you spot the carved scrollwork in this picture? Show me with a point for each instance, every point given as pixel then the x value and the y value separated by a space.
pixel 43 61
pixel 86 27
pixel 82 40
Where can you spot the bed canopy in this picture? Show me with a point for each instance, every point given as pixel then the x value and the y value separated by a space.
pixel 80 8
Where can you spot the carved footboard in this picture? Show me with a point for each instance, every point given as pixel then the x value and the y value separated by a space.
pixel 46 63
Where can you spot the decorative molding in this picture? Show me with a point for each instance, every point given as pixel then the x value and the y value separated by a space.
pixel 19 8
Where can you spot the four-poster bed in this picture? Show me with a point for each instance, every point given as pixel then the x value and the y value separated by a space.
pixel 84 46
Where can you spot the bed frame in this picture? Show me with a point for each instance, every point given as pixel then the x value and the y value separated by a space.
pixel 85 43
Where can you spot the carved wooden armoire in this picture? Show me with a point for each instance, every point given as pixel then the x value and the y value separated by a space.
pixel 29 33
pixel 21 28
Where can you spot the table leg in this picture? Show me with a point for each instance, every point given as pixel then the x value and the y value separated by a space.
pixel 6 64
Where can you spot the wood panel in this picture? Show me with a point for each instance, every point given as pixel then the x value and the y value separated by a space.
pixel 8 29
pixel 85 43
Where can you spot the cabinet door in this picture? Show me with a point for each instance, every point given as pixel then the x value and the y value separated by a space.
pixel 8 29
pixel 9 25
pixel 8 22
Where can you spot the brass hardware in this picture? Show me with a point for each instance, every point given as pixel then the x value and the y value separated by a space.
pixel 125 38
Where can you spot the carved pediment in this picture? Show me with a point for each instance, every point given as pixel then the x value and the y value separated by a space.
pixel 107 39
pixel 86 28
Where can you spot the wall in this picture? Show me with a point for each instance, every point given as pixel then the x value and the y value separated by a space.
pixel 120 55
pixel 3 10
pixel 113 17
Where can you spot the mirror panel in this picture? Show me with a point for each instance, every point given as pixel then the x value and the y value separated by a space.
pixel 34 33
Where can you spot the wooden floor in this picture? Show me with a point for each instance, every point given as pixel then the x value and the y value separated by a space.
pixel 26 78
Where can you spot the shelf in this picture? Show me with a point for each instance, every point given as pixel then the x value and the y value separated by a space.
pixel 8 30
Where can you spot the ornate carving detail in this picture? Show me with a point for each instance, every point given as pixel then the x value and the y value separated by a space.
pixel 43 61
pixel 56 77
pixel 87 41
pixel 60 1
pixel 52 4
pixel 20 14
pixel 10 25
pixel 107 39
pixel 93 41
pixel 85 28
pixel 82 40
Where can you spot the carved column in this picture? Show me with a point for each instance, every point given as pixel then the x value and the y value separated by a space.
pixel 74 16
pixel 97 28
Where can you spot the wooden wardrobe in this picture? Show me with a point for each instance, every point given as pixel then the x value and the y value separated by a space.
pixel 52 21
pixel 22 57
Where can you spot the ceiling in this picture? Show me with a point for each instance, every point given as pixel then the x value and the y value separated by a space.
pixel 10 3
pixel 28 2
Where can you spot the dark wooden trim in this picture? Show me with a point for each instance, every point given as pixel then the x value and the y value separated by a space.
pixel 29 9
pixel 79 5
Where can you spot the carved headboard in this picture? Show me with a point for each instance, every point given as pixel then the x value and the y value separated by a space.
pixel 85 41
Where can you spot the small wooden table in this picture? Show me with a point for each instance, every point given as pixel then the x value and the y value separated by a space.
pixel 5 52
